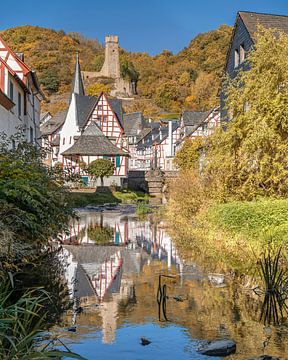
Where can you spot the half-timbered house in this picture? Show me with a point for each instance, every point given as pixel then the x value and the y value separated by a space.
pixel 157 148
pixel 195 124
pixel 20 96
pixel 91 128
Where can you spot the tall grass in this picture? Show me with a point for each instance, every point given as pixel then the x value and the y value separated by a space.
pixel 275 282
pixel 22 318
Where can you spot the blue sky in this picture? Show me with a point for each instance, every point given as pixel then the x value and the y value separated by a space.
pixel 142 25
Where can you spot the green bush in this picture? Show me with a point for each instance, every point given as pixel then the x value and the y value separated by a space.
pixel 256 219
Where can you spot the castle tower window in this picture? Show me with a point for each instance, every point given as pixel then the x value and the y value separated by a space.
pixel 236 58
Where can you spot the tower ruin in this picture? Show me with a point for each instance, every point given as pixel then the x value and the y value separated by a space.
pixel 111 66
pixel 111 70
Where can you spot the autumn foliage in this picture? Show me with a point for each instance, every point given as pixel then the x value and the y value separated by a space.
pixel 166 82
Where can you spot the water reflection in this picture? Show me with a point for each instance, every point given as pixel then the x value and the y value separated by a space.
pixel 120 286
pixel 274 275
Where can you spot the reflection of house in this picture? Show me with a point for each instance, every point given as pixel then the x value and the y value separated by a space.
pixel 20 96
pixel 103 275
pixel 126 231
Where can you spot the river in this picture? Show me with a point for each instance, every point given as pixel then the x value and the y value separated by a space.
pixel 113 263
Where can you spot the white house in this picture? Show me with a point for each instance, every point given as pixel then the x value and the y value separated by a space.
pixel 20 96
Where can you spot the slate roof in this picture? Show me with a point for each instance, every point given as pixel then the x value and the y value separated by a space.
pixel 77 83
pixel 252 19
pixel 116 105
pixel 133 122
pixel 93 142
pixel 84 107
pixel 143 133
pixel 53 124
pixel 156 131
pixel 165 131
pixel 194 118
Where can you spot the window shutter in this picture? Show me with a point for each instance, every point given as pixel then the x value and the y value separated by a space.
pixel 117 161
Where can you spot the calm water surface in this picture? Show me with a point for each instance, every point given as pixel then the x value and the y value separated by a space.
pixel 112 265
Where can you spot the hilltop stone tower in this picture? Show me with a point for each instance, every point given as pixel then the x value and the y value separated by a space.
pixel 111 66
pixel 110 72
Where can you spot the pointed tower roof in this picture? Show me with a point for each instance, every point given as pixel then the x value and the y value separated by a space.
pixel 77 85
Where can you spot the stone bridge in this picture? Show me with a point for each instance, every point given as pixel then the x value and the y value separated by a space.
pixel 152 181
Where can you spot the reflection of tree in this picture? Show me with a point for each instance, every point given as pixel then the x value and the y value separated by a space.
pixel 100 234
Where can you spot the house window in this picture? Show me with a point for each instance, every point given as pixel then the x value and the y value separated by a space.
pixel 242 54
pixel 19 105
pixel 236 58
pixel 31 135
pixel 70 141
pixel 105 119
pixel 11 90
pixel 25 104
pixel 100 107
pixel 63 140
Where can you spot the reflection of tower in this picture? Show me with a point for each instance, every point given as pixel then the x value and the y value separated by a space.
pixel 109 310
pixel 111 66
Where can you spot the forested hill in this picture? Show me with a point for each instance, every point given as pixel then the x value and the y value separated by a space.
pixel 167 82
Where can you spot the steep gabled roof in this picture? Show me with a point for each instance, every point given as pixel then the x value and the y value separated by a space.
pixel 84 107
pixel 165 131
pixel 93 142
pixel 53 124
pixel 194 118
pixel 77 84
pixel 133 122
pixel 116 105
pixel 252 19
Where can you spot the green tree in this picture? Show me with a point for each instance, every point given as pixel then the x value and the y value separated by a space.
pixel 33 203
pixel 50 79
pixel 100 168
pixel 249 158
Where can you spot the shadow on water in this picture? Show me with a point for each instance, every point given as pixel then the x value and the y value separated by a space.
pixel 274 274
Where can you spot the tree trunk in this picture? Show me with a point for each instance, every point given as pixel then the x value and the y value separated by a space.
pixel 102 181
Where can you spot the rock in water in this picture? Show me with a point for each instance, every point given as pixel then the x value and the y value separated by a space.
pixel 217 348
pixel 144 341
pixel 72 329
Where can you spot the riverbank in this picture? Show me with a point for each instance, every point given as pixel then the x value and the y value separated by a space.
pixel 231 237
pixel 84 197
